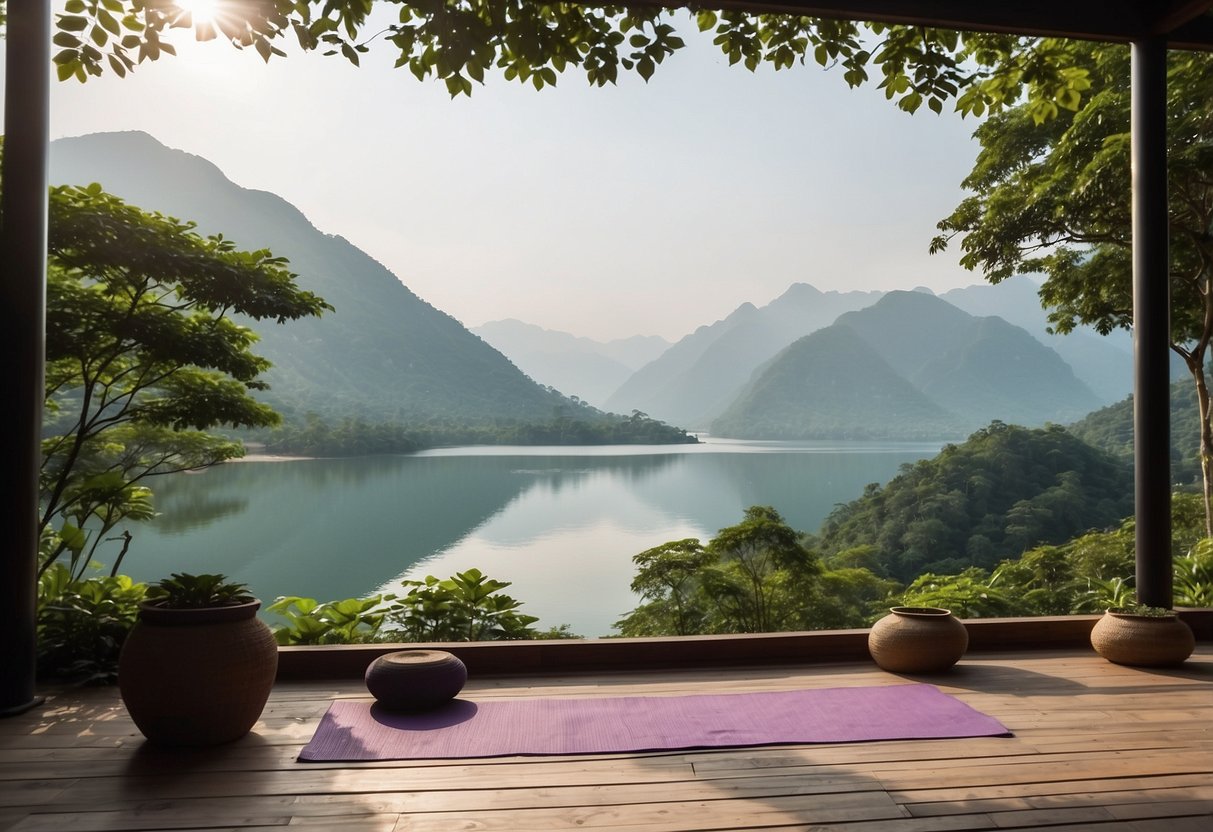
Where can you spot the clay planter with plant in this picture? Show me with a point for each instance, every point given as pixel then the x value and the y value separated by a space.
pixel 1142 636
pixel 198 666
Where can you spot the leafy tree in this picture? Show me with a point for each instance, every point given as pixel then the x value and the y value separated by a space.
pixel 1054 198
pixel 667 577
pixel 851 597
pixel 460 41
pixel 763 573
pixel 756 576
pixel 143 357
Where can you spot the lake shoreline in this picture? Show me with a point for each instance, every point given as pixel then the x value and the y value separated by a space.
pixel 270 458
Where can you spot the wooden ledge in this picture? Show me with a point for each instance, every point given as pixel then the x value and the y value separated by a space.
pixel 529 657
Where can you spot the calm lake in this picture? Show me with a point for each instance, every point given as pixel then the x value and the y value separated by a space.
pixel 561 523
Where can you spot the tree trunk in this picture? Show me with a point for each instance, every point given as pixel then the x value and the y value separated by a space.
pixel 1196 366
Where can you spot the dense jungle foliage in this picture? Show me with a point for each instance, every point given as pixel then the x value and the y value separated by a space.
pixel 1005 489
pixel 1111 429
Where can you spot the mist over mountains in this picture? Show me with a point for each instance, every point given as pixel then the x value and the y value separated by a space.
pixel 697 378
pixel 932 366
pixel 809 364
pixel 577 366
pixel 910 366
pixel 384 354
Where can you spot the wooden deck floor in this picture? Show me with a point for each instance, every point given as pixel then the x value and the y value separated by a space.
pixel 1096 747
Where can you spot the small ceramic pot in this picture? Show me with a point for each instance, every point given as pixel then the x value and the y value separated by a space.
pixel 917 640
pixel 416 680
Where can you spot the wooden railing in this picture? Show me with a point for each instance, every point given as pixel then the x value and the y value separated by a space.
pixel 522 657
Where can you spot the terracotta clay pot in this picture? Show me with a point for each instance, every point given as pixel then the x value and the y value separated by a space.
pixel 197 676
pixel 917 640
pixel 1142 640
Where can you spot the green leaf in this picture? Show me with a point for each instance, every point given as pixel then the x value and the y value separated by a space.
pixel 71 23
pixel 108 22
pixel 73 538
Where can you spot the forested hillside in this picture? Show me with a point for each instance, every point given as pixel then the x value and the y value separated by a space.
pixel 1005 489
pixel 1111 429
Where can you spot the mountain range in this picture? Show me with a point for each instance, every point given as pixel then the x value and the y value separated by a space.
pixel 903 364
pixel 702 375
pixel 697 378
pixel 909 366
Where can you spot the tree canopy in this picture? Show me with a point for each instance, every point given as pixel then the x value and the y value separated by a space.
pixel 1055 199
pixel 753 577
pixel 143 358
pixel 462 42
pixel 1002 491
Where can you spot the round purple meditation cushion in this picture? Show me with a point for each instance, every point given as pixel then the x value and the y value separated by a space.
pixel 416 680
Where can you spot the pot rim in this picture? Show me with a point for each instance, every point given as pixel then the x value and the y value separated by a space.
pixel 1171 615
pixel 925 612
pixel 153 613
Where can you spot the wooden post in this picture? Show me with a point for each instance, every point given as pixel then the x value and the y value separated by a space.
pixel 1151 324
pixel 22 336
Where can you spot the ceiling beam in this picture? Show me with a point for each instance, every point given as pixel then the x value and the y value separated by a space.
pixel 1177 13
pixel 1117 21
pixel 1196 35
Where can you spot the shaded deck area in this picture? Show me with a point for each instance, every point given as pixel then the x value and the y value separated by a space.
pixel 1096 747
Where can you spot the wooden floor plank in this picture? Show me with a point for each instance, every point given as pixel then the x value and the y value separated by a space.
pixel 1096 748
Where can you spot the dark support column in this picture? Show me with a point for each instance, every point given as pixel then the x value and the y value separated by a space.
pixel 1151 324
pixel 22 336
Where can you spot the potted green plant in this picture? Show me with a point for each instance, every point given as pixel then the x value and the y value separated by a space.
pixel 1142 636
pixel 198 666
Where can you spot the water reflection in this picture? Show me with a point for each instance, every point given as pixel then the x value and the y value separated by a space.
pixel 562 524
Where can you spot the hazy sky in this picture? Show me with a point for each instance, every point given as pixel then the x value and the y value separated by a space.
pixel 639 209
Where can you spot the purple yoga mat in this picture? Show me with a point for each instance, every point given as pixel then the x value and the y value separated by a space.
pixel 361 730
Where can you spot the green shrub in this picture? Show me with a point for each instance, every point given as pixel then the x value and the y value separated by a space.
pixel 82 624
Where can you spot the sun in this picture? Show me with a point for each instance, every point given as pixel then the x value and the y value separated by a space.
pixel 200 12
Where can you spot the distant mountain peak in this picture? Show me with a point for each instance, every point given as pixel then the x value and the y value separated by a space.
pixel 799 292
